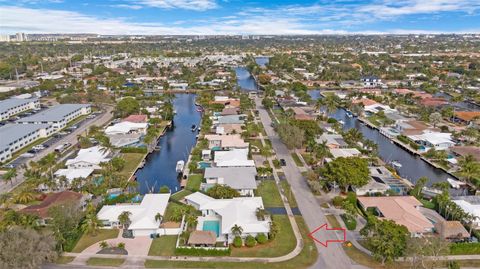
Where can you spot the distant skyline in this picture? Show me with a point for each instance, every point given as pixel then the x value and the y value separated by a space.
pixel 229 17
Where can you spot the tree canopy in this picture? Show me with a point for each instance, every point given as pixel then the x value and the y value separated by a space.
pixel 346 172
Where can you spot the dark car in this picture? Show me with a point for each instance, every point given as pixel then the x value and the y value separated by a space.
pixel 283 162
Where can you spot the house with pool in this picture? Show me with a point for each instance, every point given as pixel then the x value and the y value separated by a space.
pixel 220 215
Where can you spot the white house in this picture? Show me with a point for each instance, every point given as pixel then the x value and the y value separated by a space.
pixel 241 179
pixel 142 218
pixel 371 81
pixel 126 127
pixel 471 205
pixel 220 215
pixel 58 116
pixel 89 158
pixel 439 141
pixel 72 174
pixel 232 158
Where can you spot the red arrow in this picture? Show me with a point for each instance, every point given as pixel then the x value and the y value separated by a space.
pixel 324 229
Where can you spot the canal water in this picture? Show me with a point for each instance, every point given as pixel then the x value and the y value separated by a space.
pixel 412 166
pixel 262 61
pixel 175 144
pixel 245 80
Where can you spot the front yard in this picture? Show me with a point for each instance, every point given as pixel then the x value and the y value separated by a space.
pixel 163 246
pixel 268 190
pixel 88 240
pixel 105 262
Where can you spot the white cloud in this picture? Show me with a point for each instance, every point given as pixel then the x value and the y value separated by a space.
pixel 134 7
pixel 199 5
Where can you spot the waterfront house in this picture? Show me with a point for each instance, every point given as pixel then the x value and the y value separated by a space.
pixel 373 187
pixel 217 142
pixel 136 118
pixel 126 127
pixel 467 117
pixel 438 141
pixel 41 210
pixel 142 218
pixel 232 158
pixel 462 151
pixel 403 210
pixel 344 152
pixel 230 119
pixel 471 205
pixel 221 215
pixel 333 141
pixel 225 129
pixel 411 127
pixel 242 179
pixel 89 158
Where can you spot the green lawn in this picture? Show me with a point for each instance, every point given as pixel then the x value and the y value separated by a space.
pixel 88 240
pixel 170 208
pixel 132 160
pixel 180 195
pixel 296 159
pixel 427 204
pixel 465 249
pixel 163 246
pixel 305 259
pixel 288 192
pixel 269 192
pixel 284 242
pixel 193 182
pixel 332 221
pixel 64 259
pixel 105 262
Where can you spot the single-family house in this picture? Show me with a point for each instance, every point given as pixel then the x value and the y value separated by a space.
pixel 142 215
pixel 242 179
pixel 471 205
pixel 221 215
pixel 438 141
pixel 126 127
pixel 226 142
pixel 136 118
pixel 89 158
pixel 344 152
pixel 51 200
pixel 403 210
pixel 232 158
pixel 332 141
pixel 452 230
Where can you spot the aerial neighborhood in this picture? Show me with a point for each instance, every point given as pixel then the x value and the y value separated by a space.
pixel 240 151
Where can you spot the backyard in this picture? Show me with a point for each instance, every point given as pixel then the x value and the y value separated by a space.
pixel 132 160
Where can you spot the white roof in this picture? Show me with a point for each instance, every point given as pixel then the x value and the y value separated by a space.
pixel 93 155
pixel 238 178
pixel 232 158
pixel 143 214
pixel 125 127
pixel 433 138
pixel 239 211
pixel 351 152
pixel 472 208
pixel 72 174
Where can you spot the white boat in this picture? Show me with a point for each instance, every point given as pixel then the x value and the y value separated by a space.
pixel 396 164
pixel 455 183
pixel 341 122
pixel 180 166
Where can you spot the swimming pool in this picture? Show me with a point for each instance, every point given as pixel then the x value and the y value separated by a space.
pixel 203 165
pixel 212 225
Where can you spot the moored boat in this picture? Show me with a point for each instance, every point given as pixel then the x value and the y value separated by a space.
pixel 180 166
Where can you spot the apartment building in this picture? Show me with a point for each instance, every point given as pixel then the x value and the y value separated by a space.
pixel 58 116
pixel 13 106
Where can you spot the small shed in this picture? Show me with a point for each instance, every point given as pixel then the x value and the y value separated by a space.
pixel 202 238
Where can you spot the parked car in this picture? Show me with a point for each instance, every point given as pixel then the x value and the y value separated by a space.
pixel 283 162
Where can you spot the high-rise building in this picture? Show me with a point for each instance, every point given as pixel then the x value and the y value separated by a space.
pixel 4 38
pixel 21 37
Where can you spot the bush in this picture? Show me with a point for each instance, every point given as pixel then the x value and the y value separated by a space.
pixel 337 201
pixel 250 241
pixel 350 223
pixel 465 249
pixel 276 163
pixel 103 244
pixel 134 150
pixel 331 120
pixel 262 238
pixel 352 198
pixel 237 242
pixel 201 252
pixel 121 245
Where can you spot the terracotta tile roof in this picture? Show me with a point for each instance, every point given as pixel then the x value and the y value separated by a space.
pixel 136 118
pixel 304 117
pixel 364 101
pixel 401 209
pixel 51 200
pixel 433 101
pixel 467 115
pixel 467 150
pixel 451 230
pixel 202 238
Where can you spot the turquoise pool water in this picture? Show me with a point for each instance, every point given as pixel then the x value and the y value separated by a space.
pixel 203 165
pixel 212 225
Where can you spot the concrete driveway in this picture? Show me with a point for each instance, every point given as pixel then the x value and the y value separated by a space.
pixel 137 246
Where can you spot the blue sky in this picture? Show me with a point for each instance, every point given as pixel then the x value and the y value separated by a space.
pixel 240 16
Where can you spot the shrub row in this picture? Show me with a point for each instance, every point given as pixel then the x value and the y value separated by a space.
pixel 202 252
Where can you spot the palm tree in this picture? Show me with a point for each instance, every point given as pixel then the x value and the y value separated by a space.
pixel 124 219
pixel 353 136
pixel 237 230
pixel 177 214
pixel 25 196
pixel 48 162
pixel 10 175
pixel 274 229
pixel 158 217
pixel 469 168
pixel 266 151
pixel 322 151
pixel 192 221
pixel 91 224
pixel 261 213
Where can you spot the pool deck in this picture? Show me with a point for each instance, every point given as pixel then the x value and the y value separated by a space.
pixel 201 221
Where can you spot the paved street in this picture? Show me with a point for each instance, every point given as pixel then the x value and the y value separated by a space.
pixel 332 256
pixel 70 138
